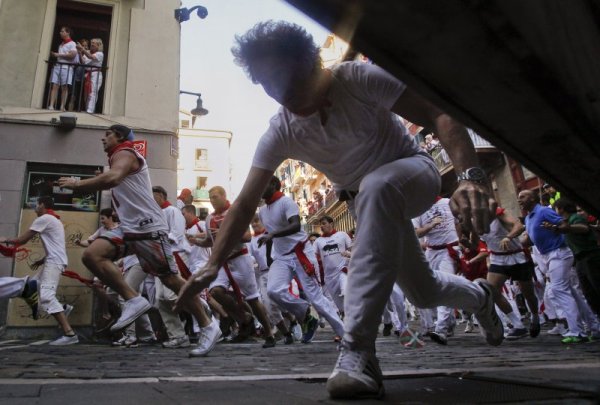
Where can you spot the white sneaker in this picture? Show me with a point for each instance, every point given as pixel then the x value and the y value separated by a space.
pixel 65 340
pixel 132 309
pixel 558 329
pixel 176 343
pixel 469 327
pixel 490 324
pixel 322 323
pixel 297 332
pixel 209 337
pixel 356 375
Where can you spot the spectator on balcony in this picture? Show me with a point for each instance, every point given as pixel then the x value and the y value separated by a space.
pixel 94 57
pixel 62 73
pixel 78 77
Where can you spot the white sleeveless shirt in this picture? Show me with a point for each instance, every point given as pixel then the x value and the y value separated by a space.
pixel 134 203
pixel 492 239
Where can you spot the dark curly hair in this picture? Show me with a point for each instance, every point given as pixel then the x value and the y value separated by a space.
pixel 275 38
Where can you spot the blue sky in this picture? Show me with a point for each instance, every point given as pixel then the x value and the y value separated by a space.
pixel 234 103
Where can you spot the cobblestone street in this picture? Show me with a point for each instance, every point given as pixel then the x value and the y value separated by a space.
pixel 466 370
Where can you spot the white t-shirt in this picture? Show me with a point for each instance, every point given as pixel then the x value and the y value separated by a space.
pixel 274 217
pixel 330 248
pixel 52 233
pixel 100 232
pixel 66 48
pixel 176 224
pixel 493 238
pixel 198 255
pixel 259 253
pixel 360 135
pixel 445 232
pixel 94 62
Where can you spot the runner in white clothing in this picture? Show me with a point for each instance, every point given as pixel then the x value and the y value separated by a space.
pixel 52 233
pixel 439 228
pixel 340 121
pixel 334 249
pixel 293 257
pixel 143 231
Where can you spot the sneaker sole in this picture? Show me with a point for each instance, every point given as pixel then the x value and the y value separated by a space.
pixel 344 393
pixel 438 339
pixel 118 326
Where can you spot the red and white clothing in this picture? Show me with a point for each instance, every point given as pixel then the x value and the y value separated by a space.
pixel 442 251
pixel 492 239
pixel 52 234
pixel 199 255
pixel 335 266
pixel 239 263
pixel 93 79
pixel 287 264
pixel 262 278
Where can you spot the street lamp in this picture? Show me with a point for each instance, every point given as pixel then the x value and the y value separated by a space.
pixel 199 110
pixel 183 14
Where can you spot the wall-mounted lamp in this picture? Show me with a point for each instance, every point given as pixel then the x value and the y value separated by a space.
pixel 66 122
pixel 183 14
pixel 199 110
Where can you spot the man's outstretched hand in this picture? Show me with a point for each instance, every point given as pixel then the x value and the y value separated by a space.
pixel 473 205
pixel 194 285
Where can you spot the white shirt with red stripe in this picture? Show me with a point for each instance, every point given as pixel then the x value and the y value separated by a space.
pixel 330 248
pixel 214 221
pixel 275 217
pixel 133 200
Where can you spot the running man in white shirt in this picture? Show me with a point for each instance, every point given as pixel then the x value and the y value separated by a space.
pixel 334 249
pixel 52 233
pixel 237 272
pixel 438 226
pixel 340 121
pixel 143 231
pixel 293 256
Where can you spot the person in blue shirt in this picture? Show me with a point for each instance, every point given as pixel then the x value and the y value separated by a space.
pixel 555 260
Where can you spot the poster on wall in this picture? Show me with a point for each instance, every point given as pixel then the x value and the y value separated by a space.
pixel 46 184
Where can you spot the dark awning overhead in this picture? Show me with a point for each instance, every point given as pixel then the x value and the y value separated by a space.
pixel 523 74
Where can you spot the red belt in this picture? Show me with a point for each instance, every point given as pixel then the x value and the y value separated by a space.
pixel 234 285
pixel 309 268
pixel 449 247
pixel 183 268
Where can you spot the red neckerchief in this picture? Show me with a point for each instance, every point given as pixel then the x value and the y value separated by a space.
pixel 222 210
pixel 165 205
pixel 260 233
pixel 51 212
pixel 438 198
pixel 194 222
pixel 67 41
pixel 499 211
pixel 276 196
pixel 116 148
pixel 328 234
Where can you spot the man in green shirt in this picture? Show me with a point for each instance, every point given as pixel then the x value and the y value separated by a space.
pixel 582 241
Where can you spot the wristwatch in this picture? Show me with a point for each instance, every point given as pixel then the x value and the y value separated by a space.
pixel 474 174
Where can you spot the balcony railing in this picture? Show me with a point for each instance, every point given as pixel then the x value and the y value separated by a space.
pixel 84 86
pixel 441 158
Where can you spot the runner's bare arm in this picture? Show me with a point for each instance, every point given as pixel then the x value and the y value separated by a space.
pixel 21 239
pixel 123 163
pixel 471 201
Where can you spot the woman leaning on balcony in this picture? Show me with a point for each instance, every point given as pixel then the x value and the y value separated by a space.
pixel 93 76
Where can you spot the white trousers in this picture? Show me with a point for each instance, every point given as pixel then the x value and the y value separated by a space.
pixel 134 277
pixel 557 265
pixel 398 309
pixel 335 284
pixel 440 260
pixel 386 250
pixel 11 287
pixel 96 78
pixel 273 311
pixel 48 282
pixel 282 271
